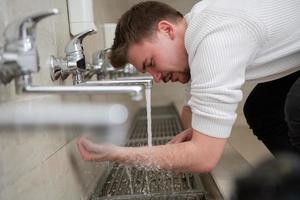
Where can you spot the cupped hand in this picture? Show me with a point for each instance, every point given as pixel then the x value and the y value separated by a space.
pixel 184 136
pixel 95 152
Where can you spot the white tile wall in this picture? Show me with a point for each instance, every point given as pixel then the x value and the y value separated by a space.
pixel 43 162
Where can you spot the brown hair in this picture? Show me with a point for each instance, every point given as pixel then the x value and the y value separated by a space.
pixel 137 24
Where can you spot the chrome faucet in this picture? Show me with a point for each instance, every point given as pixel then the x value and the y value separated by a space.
pixel 24 85
pixel 109 75
pixel 74 63
pixel 19 55
pixel 19 60
pixel 102 68
pixel 97 67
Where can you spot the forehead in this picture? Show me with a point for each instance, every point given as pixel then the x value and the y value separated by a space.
pixel 137 53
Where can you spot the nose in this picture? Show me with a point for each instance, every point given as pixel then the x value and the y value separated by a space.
pixel 156 75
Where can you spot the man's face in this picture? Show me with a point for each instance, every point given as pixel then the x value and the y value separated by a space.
pixel 164 57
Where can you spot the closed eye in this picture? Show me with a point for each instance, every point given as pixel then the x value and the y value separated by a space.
pixel 151 64
pixel 144 67
pixel 147 64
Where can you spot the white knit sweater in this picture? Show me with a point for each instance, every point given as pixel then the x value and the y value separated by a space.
pixel 230 41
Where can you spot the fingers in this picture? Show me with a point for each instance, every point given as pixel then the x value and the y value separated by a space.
pixel 85 155
pixel 89 145
pixel 177 139
pixel 86 151
pixel 182 137
pixel 189 135
pixel 97 152
pixel 172 141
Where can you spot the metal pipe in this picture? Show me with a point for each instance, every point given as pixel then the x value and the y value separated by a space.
pixel 83 89
pixel 146 82
pixel 24 85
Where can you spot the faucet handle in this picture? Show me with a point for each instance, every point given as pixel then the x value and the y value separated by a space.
pixel 25 28
pixel 75 45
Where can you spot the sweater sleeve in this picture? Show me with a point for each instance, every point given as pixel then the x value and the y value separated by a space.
pixel 218 63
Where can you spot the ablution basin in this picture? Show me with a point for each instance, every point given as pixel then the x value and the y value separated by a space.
pixel 123 182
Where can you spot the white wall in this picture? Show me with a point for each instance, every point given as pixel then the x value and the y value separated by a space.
pixel 42 162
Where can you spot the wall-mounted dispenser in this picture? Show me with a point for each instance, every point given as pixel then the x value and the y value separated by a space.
pixel 81 16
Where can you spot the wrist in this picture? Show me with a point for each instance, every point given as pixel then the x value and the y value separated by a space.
pixel 118 153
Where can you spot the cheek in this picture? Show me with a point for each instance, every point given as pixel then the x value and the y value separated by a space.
pixel 160 62
pixel 175 59
pixel 166 61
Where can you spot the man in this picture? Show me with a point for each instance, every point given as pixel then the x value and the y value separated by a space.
pixel 217 46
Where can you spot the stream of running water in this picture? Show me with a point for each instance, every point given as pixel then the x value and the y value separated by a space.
pixel 148 108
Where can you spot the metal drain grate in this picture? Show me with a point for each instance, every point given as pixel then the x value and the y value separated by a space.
pixel 164 126
pixel 132 183
pixel 158 110
pixel 142 184
pixel 165 123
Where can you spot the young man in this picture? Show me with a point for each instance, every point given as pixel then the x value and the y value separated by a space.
pixel 217 46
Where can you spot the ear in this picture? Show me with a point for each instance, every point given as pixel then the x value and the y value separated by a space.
pixel 166 27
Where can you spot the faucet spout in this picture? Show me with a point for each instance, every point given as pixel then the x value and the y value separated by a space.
pixel 24 85
pixel 145 81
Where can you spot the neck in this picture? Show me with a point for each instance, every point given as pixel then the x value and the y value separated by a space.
pixel 182 27
pixel 183 24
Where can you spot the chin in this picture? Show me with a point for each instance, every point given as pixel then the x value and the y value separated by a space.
pixel 186 76
pixel 184 80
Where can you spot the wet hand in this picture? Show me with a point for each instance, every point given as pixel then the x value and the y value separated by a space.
pixel 95 152
pixel 184 136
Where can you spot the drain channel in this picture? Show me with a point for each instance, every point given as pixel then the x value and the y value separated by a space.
pixel 149 185
pixel 133 183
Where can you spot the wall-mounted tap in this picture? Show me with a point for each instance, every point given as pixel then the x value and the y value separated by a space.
pixel 24 85
pixel 19 60
pixel 146 81
pixel 19 55
pixel 74 63
pixel 102 68
pixel 97 67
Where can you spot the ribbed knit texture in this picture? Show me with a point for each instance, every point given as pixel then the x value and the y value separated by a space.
pixel 231 41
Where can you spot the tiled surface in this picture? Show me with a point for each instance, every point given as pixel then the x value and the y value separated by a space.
pixel 23 151
pixel 43 162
